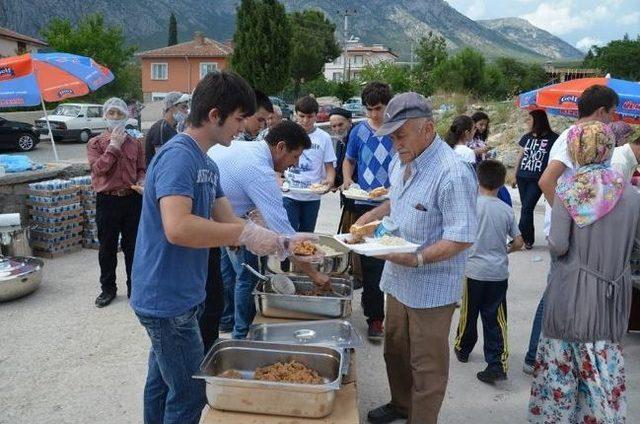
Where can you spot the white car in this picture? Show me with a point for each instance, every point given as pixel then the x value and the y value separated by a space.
pixel 76 122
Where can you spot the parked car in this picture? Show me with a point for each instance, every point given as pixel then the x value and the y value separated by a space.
pixel 354 105
pixel 18 135
pixel 323 113
pixel 287 109
pixel 76 122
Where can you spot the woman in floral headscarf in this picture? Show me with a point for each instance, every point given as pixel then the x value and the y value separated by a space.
pixel 579 372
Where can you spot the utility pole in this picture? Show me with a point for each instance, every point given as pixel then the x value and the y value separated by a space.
pixel 412 57
pixel 345 38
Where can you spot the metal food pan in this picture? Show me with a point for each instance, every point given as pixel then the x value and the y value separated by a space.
pixel 265 397
pixel 295 306
pixel 334 333
pixel 335 264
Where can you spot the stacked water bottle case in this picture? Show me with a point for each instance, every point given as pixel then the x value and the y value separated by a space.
pixel 88 199
pixel 56 218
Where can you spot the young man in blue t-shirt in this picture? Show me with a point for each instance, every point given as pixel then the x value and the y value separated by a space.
pixel 372 156
pixel 184 213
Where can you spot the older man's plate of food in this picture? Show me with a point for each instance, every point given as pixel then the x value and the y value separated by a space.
pixel 354 192
pixel 361 240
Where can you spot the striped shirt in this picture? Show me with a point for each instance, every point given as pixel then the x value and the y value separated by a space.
pixel 249 181
pixel 438 201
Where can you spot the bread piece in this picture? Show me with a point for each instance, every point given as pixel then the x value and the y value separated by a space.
pixel 366 230
pixel 377 192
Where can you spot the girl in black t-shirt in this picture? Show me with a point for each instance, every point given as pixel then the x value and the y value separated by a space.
pixel 533 160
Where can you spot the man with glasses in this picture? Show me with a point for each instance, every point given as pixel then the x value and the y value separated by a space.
pixel 371 155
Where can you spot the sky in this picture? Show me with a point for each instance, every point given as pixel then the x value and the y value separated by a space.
pixel 582 23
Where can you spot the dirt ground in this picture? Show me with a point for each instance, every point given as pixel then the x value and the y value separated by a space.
pixel 62 360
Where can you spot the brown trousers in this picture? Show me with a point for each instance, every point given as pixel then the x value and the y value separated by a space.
pixel 416 351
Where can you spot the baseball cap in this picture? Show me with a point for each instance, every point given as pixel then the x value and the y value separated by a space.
pixel 185 98
pixel 401 108
pixel 171 99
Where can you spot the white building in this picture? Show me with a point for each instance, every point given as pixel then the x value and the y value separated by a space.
pixel 357 57
pixel 12 43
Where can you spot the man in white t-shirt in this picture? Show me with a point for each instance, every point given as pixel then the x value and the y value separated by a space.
pixel 597 103
pixel 316 166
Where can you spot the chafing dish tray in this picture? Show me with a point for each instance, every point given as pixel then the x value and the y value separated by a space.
pixel 298 306
pixel 265 397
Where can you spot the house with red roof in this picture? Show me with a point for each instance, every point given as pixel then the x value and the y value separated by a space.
pixel 13 43
pixel 181 66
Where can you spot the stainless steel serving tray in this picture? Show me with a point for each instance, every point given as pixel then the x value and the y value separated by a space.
pixel 295 306
pixel 334 333
pixel 265 397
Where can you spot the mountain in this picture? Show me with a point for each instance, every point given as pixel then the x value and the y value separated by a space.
pixel 523 33
pixel 394 23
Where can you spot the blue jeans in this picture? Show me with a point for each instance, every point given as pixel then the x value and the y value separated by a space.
pixel 239 308
pixel 302 214
pixel 171 395
pixel 536 328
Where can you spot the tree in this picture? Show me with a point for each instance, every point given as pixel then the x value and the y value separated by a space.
pixel 173 30
pixel 620 58
pixel 92 38
pixel 262 53
pixel 398 77
pixel 345 90
pixel 431 51
pixel 313 45
pixel 464 72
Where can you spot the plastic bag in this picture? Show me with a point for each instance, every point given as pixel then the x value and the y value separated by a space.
pixel 17 163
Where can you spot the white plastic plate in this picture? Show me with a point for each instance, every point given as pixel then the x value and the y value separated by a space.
pixel 372 248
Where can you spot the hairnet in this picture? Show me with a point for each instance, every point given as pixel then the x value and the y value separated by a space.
pixel 115 103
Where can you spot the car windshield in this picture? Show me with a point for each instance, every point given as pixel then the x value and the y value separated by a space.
pixel 66 110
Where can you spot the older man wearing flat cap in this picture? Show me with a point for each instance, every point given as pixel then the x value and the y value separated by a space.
pixel 433 201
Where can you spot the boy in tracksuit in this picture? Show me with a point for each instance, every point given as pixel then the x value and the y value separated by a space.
pixel 487 272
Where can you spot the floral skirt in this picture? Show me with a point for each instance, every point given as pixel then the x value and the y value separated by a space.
pixel 578 383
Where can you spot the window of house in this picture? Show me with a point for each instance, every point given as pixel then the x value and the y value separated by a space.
pixel 358 60
pixel 337 76
pixel 22 48
pixel 207 67
pixel 159 71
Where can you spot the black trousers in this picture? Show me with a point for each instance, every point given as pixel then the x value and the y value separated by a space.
pixel 116 216
pixel 489 299
pixel 214 302
pixel 529 195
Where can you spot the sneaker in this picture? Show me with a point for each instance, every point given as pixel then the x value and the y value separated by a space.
pixel 490 375
pixel 528 368
pixel 528 246
pixel 376 330
pixel 385 414
pixel 104 299
pixel 461 357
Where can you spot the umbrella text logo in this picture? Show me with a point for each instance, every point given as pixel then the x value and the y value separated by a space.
pixel 6 72
pixel 631 105
pixel 65 92
pixel 568 99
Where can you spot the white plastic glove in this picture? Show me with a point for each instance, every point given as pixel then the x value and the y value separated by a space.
pixel 118 136
pixel 263 242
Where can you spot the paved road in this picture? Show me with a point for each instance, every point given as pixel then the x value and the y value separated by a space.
pixel 64 361
pixel 43 153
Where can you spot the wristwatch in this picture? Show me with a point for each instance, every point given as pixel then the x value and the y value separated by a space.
pixel 419 259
